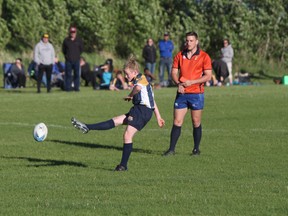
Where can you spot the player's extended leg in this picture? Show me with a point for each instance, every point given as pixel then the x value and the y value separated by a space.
pixel 197 130
pixel 106 125
pixel 127 147
pixel 179 115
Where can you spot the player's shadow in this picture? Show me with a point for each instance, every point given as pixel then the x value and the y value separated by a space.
pixel 47 162
pixel 90 145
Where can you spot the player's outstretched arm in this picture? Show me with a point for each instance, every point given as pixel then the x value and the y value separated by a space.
pixel 134 91
pixel 161 122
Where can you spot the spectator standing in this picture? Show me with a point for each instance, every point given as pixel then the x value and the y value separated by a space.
pixel 166 48
pixel 149 55
pixel 72 48
pixel 17 71
pixel 44 55
pixel 191 69
pixel 227 54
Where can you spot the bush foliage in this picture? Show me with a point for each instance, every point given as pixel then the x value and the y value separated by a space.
pixel 255 28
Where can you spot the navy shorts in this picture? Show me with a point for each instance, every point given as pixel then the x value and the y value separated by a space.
pixel 138 116
pixel 190 101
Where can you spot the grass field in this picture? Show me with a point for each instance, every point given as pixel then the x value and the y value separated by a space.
pixel 243 168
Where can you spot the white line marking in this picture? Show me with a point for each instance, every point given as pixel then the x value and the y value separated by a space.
pixel 32 125
pixel 211 130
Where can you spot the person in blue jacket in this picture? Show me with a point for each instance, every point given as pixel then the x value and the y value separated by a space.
pixel 166 48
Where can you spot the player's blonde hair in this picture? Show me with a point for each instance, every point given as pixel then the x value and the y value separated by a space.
pixel 132 63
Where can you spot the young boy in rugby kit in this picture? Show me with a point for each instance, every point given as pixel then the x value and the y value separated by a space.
pixel 142 98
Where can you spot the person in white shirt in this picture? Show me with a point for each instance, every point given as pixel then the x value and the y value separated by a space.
pixel 227 55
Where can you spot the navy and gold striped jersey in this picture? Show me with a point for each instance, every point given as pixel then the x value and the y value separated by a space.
pixel 145 96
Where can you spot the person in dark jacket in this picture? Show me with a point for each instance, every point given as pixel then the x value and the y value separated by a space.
pixel 72 48
pixel 17 71
pixel 86 73
pixel 149 54
pixel 221 71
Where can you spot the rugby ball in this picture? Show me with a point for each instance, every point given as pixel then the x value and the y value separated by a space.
pixel 40 132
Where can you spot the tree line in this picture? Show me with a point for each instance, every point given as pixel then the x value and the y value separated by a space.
pixel 256 29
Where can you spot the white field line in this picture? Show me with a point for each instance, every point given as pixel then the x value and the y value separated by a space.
pixel 20 124
pixel 209 130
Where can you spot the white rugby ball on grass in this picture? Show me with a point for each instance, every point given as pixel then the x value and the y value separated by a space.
pixel 40 132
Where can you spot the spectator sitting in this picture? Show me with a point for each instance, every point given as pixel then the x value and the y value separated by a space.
pixel 119 82
pixel 18 72
pixel 58 73
pixel 32 72
pixel 106 77
pixel 150 78
pixel 221 71
pixel 58 67
pixel 243 78
pixel 86 73
pixel 98 73
pixel 213 81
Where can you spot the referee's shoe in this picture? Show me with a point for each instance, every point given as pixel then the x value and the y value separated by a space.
pixel 168 153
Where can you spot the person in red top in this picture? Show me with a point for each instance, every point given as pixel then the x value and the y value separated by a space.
pixel 191 69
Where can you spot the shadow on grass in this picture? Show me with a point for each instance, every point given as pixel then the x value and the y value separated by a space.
pixel 43 162
pixel 89 145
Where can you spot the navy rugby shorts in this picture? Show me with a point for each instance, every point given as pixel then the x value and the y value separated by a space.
pixel 190 101
pixel 138 116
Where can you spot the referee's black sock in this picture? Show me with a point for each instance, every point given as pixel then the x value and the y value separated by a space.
pixel 127 149
pixel 174 136
pixel 102 125
pixel 197 134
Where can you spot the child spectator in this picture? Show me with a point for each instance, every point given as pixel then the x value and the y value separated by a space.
pixel 119 82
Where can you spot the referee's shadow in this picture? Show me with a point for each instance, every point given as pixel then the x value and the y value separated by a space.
pixel 96 146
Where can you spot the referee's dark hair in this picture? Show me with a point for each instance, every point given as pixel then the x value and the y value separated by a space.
pixel 192 33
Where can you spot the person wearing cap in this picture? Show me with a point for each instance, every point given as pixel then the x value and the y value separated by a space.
pixel 44 55
pixel 72 49
pixel 192 67
pixel 166 48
